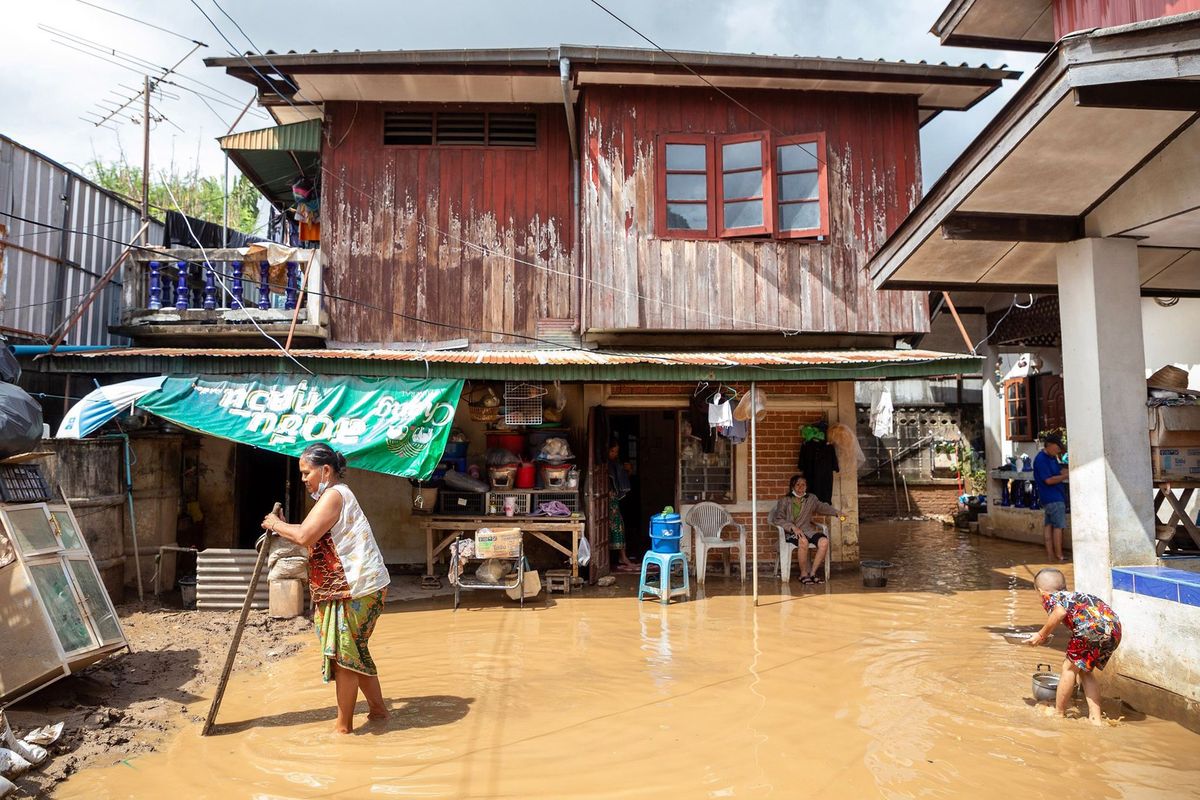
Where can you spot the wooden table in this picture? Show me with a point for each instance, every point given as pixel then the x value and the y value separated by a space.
pixel 440 531
pixel 1179 515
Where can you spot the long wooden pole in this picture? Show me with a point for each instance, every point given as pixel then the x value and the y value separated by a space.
pixel 754 489
pixel 211 719
pixel 958 321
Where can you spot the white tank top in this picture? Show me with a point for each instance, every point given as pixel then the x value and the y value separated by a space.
pixel 356 547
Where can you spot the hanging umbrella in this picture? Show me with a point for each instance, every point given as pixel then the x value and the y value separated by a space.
pixel 98 407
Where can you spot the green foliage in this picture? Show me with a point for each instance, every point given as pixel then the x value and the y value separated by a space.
pixel 198 195
pixel 1062 434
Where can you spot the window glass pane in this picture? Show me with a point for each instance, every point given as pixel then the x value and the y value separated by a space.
pixel 687 186
pixel 799 186
pixel 96 599
pixel 71 540
pixel 687 216
pixel 686 156
pixel 747 214
pixel 32 530
pixel 799 216
pixel 742 184
pixel 801 155
pixel 741 155
pixel 55 591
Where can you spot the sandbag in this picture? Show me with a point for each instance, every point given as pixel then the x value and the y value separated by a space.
pixel 287 561
pixel 492 570
pixel 20 421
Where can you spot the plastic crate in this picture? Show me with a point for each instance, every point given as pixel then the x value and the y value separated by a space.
pixel 495 502
pixel 23 483
pixel 570 499
pixel 461 502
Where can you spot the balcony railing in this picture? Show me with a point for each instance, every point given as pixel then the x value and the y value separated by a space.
pixel 171 292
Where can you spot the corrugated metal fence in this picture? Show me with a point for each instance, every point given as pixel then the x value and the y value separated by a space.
pixel 46 272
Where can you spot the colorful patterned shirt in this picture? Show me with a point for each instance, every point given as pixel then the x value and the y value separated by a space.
pixel 346 563
pixel 1088 617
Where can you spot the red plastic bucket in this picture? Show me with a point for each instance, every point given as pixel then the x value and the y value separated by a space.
pixel 512 442
pixel 526 475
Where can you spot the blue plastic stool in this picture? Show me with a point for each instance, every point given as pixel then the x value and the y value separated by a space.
pixel 663 589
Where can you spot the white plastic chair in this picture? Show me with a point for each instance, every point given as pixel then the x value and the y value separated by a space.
pixel 786 549
pixel 707 520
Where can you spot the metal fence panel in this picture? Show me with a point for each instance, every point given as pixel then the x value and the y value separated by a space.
pixel 63 233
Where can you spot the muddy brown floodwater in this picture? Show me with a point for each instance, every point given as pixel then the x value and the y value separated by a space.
pixel 895 693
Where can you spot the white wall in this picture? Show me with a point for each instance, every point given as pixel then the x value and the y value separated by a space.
pixel 1172 336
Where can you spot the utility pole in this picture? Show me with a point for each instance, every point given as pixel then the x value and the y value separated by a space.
pixel 145 159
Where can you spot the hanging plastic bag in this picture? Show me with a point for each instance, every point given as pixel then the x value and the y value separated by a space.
pixel 742 412
pixel 585 552
pixel 846 444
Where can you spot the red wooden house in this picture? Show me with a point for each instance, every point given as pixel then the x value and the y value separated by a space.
pixel 636 225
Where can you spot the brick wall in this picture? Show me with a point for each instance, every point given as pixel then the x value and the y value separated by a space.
pixel 879 501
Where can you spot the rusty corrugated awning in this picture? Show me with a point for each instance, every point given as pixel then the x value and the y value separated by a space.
pixel 274 158
pixel 545 364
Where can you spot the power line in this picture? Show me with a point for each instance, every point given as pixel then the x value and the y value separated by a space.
pixel 714 87
pixel 142 22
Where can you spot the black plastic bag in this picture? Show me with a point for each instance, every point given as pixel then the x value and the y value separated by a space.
pixel 10 368
pixel 20 421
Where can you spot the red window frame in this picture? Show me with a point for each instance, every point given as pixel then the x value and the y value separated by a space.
pixel 660 214
pixel 766 196
pixel 715 186
pixel 817 140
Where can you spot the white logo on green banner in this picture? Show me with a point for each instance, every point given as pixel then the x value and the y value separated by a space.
pixel 392 425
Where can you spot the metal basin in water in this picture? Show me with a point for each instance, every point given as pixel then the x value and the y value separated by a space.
pixel 1045 684
pixel 874 573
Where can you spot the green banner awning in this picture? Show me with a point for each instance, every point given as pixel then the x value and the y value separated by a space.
pixel 391 425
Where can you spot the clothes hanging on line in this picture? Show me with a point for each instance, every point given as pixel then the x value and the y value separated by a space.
pixel 881 411
pixel 698 417
pixel 720 411
pixel 818 461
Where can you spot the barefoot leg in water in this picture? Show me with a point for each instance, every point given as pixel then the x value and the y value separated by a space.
pixel 1066 687
pixel 374 694
pixel 1091 691
pixel 347 695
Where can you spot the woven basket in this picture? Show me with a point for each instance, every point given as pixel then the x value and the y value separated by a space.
pixel 484 413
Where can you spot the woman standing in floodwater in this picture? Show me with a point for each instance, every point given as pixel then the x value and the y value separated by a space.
pixel 347 579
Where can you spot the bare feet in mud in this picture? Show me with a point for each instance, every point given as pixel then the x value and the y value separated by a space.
pixel 342 730
pixel 379 713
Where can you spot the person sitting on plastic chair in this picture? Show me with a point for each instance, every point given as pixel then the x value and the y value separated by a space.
pixel 794 514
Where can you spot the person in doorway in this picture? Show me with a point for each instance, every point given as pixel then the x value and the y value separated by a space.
pixel 1049 475
pixel 1095 634
pixel 794 513
pixel 346 577
pixel 619 486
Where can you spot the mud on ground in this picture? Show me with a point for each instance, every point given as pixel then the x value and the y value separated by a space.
pixel 127 704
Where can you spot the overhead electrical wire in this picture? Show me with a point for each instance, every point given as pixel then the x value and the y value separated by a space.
pixel 141 22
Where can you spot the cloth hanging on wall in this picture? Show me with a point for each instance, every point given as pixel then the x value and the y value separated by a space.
pixel 818 461
pixel 881 411
pixel 698 417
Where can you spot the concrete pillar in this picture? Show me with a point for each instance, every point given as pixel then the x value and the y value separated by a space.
pixel 993 422
pixel 1112 515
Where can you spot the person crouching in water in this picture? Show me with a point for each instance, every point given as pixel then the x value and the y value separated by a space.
pixel 1095 634
pixel 794 513
pixel 347 579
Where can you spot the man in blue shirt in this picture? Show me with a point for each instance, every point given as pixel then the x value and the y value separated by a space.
pixel 1049 475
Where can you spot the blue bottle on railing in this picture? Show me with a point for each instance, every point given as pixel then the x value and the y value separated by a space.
pixel 665 531
pixel 1026 464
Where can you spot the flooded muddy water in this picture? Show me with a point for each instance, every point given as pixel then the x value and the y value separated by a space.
pixel 903 692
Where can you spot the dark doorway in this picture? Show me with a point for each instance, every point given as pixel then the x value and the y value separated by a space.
pixel 262 480
pixel 648 442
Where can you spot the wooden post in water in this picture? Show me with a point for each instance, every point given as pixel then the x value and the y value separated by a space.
pixel 754 490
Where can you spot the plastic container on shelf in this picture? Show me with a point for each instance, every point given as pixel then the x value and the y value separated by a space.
pixel 526 475
pixel 455 450
pixel 665 532
pixel 506 440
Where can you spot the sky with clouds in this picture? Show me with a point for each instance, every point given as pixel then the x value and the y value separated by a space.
pixel 46 86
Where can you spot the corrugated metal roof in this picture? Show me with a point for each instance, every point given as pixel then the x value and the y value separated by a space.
pixel 569 365
pixel 300 137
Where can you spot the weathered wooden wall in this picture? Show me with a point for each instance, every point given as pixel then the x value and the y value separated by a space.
pixel 1081 15
pixel 673 284
pixel 434 238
